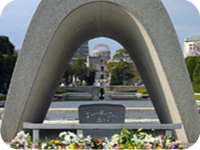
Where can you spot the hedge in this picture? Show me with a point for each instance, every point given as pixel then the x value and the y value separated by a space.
pixel 197 97
pixel 61 91
pixel 142 91
pixel 2 97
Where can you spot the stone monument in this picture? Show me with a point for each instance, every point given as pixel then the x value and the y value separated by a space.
pixel 101 114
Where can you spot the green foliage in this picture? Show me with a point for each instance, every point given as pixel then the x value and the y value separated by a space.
pixel 2 97
pixel 193 65
pixel 80 71
pixel 7 60
pixel 142 91
pixel 1 71
pixel 68 74
pixel 196 78
pixel 122 68
pixel 91 78
pixel 6 47
pixel 9 64
pixel 122 55
pixel 115 77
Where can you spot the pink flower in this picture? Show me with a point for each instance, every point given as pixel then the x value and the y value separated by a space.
pixel 161 136
pixel 33 145
pixel 13 141
pixel 161 145
pixel 154 144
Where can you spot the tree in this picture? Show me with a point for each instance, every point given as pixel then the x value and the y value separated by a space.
pixel 1 71
pixel 7 60
pixel 122 55
pixel 115 77
pixel 6 47
pixel 191 63
pixel 68 75
pixel 80 69
pixel 122 68
pixel 9 64
pixel 91 77
pixel 196 78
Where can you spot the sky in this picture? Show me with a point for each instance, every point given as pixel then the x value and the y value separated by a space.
pixel 16 16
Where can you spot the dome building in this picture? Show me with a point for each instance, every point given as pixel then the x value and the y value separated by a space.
pixel 99 61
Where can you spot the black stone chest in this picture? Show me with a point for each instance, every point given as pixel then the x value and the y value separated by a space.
pixel 101 114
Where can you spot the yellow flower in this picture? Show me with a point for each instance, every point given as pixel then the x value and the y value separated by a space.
pixel 72 147
pixel 130 146
pixel 159 148
pixel 121 146
pixel 80 147
pixel 181 147
pixel 57 142
pixel 51 142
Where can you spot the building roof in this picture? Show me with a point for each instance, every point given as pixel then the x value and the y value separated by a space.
pixel 193 38
pixel 101 47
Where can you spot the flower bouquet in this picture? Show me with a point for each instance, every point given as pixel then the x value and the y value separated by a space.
pixel 127 139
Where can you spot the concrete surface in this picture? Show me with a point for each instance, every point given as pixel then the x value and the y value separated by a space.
pixel 59 27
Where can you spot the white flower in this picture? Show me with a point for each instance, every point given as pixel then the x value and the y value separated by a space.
pixel 158 140
pixel 43 145
pixel 80 136
pixel 65 142
pixel 168 141
pixel 72 135
pixel 62 134
pixel 106 140
pixel 67 139
pixel 149 139
pixel 55 147
pixel 26 135
pixel 115 138
pixel 136 140
pixel 20 141
pixel 20 135
pixel 88 139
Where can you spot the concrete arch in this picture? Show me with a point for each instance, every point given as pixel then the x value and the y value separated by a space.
pixel 59 27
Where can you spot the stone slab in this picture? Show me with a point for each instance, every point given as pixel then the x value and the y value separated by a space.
pixel 101 114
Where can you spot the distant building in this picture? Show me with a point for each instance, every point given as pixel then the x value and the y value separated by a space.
pixel 99 61
pixel 83 51
pixel 192 46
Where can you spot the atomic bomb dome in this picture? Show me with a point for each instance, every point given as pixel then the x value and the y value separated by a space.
pixel 99 61
pixel 101 47
pixel 102 50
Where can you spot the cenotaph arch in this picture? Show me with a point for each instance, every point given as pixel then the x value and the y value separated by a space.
pixel 59 27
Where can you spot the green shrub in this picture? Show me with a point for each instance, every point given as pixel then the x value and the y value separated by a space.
pixel 197 97
pixel 61 91
pixel 2 97
pixel 142 91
